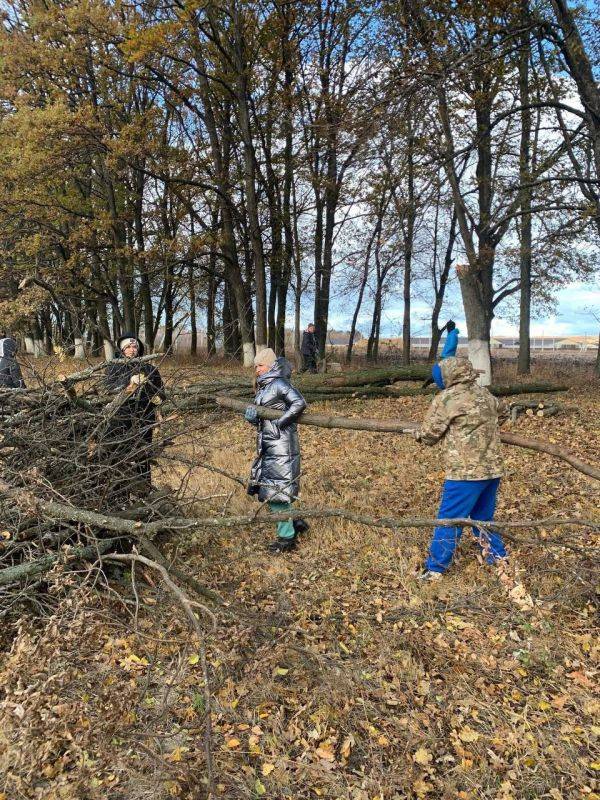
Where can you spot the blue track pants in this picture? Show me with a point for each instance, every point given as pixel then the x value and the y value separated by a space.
pixel 460 499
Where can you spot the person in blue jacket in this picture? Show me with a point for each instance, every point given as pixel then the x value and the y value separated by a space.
pixel 451 342
pixel 450 346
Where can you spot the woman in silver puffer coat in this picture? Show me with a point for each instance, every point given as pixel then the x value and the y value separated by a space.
pixel 275 473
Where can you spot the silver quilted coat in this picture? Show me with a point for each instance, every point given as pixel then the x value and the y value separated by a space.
pixel 275 473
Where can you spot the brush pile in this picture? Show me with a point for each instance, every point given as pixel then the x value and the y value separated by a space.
pixel 63 443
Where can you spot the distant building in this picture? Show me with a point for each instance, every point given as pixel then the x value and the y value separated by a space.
pixel 578 343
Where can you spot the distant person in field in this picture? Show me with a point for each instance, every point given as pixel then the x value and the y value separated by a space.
pixel 309 349
pixel 275 473
pixel 450 346
pixel 131 426
pixel 464 418
pixel 451 343
pixel 10 371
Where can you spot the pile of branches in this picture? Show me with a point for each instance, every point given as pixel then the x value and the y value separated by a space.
pixel 59 451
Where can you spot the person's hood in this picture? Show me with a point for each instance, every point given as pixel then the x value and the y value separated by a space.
pixel 8 348
pixel 454 371
pixel 122 338
pixel 280 369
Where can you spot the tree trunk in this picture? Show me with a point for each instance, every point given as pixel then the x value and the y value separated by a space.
pixel 440 290
pixel 211 302
pixel 331 199
pixel 231 337
pixel 212 288
pixel 373 343
pixel 144 288
pixel 249 161
pixel 220 159
pixel 193 315
pixel 473 274
pixel 359 299
pixel 169 316
pixel 298 278
pixel 524 359
pixel 288 174
pixel 46 322
pixel 363 282
pixel 318 246
pixel 408 245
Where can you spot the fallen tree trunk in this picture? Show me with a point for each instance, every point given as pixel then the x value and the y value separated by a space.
pixel 194 398
pixel 364 377
pixel 386 377
pixel 406 426
pixel 325 393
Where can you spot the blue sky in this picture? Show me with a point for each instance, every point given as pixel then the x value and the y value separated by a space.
pixel 573 314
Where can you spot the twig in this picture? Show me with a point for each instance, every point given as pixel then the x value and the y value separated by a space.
pixel 187 607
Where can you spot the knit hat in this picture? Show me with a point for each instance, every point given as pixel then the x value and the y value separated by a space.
pixel 265 358
pixel 128 338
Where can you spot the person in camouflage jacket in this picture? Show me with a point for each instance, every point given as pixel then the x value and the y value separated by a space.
pixel 464 418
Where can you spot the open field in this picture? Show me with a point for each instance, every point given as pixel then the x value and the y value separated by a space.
pixel 334 674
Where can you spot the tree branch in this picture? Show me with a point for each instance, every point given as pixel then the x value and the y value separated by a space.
pixel 406 426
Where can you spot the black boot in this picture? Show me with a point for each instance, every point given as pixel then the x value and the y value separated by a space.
pixel 283 545
pixel 301 526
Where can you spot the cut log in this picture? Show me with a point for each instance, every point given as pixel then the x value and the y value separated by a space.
pixel 373 377
pixel 533 407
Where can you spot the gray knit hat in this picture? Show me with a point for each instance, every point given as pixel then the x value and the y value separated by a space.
pixel 265 357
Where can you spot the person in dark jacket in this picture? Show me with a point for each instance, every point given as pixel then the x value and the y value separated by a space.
pixel 275 473
pixel 131 425
pixel 10 371
pixel 309 349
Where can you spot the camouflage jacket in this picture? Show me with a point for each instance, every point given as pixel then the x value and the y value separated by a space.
pixel 464 416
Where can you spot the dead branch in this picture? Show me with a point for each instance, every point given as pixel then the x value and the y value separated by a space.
pixel 44 564
pixel 77 377
pixel 54 510
pixel 186 604
pixel 406 426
